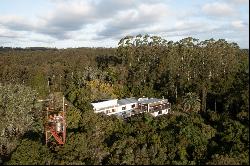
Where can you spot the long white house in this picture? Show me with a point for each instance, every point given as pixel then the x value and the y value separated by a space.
pixel 131 106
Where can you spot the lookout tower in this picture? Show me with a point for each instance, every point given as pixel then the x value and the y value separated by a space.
pixel 55 125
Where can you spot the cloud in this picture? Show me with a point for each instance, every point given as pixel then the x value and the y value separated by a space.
pixel 15 23
pixel 7 34
pixel 190 28
pixel 109 8
pixel 132 20
pixel 239 24
pixel 102 21
pixel 67 17
pixel 10 35
pixel 240 1
pixel 218 9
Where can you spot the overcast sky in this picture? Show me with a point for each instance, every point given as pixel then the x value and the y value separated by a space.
pixel 102 23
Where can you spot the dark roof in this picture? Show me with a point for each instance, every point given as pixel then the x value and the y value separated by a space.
pixel 98 101
pixel 152 100
pixel 127 101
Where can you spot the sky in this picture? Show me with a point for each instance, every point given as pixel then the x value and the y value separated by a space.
pixel 102 23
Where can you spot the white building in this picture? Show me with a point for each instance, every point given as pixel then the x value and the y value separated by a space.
pixel 131 106
pixel 154 106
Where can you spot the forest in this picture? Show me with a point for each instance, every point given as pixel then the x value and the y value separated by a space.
pixel 206 82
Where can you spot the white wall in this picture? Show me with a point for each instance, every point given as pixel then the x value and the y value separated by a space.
pixel 154 113
pixel 103 104
pixel 119 108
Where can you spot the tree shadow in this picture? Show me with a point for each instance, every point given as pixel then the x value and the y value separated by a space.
pixel 33 135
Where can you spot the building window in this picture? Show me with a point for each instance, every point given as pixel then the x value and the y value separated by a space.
pixel 123 108
pixel 107 111
pixel 133 106
pixel 113 110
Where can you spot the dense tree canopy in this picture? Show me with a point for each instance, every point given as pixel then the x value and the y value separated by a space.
pixel 206 82
pixel 17 114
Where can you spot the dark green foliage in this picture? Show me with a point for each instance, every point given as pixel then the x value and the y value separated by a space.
pixel 30 153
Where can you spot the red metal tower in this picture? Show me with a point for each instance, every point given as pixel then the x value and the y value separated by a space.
pixel 55 126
